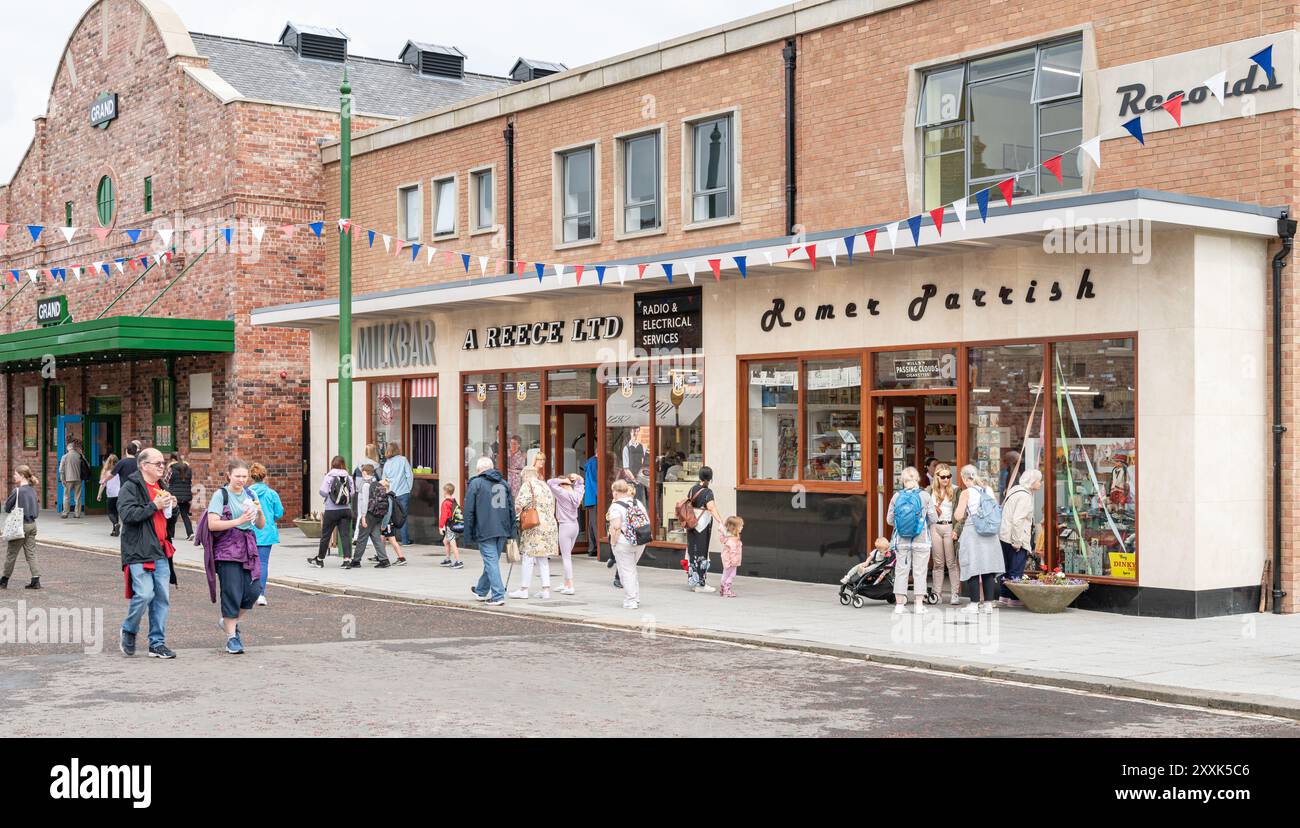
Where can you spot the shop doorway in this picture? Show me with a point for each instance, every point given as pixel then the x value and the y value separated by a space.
pixel 571 442
pixel 70 427
pixel 913 431
pixel 103 437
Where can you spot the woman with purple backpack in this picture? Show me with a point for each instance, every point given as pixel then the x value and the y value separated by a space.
pixel 911 513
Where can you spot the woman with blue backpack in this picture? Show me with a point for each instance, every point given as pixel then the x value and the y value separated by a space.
pixel 979 551
pixel 911 513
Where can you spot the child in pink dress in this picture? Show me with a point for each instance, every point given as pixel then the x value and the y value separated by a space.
pixel 729 534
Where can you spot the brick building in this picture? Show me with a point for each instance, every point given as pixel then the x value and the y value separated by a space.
pixel 1115 320
pixel 196 132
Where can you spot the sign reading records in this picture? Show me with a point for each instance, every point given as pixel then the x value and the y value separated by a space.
pixel 669 320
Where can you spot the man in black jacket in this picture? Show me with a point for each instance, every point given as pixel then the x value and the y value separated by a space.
pixel 489 522
pixel 142 505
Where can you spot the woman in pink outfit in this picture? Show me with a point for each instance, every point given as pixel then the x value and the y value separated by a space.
pixel 568 493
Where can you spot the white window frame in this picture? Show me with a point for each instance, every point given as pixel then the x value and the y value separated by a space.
pixel 620 182
pixel 688 169
pixel 454 178
pixel 403 230
pixel 557 195
pixel 474 174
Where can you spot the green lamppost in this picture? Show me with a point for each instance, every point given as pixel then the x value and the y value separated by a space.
pixel 345 271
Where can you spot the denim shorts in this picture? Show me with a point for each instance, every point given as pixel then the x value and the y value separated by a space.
pixel 238 590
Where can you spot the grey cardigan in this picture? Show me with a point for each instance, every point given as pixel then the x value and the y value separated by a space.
pixel 25 497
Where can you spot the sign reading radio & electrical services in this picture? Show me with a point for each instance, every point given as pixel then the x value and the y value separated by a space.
pixel 403 344
pixel 52 310
pixel 103 110
pixel 668 319
pixel 590 329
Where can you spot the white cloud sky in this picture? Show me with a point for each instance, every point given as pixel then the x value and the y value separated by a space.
pixel 490 32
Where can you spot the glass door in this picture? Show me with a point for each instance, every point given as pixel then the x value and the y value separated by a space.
pixel 103 437
pixel 571 442
pixel 918 431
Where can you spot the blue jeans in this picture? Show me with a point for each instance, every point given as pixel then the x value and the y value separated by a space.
pixel 404 536
pixel 1014 560
pixel 490 551
pixel 264 556
pixel 152 590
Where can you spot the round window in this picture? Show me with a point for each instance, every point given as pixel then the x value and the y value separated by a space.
pixel 104 200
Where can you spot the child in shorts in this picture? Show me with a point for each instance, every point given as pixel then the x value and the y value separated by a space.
pixel 449 506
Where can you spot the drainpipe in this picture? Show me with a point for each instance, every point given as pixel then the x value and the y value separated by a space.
pixel 509 135
pixel 789 54
pixel 1285 232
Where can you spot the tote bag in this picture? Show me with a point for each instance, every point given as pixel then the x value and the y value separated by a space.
pixel 13 528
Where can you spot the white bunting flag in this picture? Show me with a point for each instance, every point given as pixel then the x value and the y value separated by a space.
pixel 834 251
pixel 76 271
pixel 388 243
pixel 257 229
pixel 482 265
pixel 1093 148
pixel 690 270
pixel 165 236
pixel 622 274
pixel 428 254
pixel 559 273
pixel 31 274
pixel 68 232
pixel 119 267
pixel 98 267
pixel 1216 84
pixel 892 231
pixel 767 254
pixel 959 207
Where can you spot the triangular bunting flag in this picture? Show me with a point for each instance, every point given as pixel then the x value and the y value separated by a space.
pixel 144 261
pixel 4 228
pixel 640 271
pixel 68 233
pixel 871 241
pixel 833 251
pixel 622 274
pixel 344 225
pixel 31 274
pixel 134 235
pixel 577 271
pixel 482 265
pixel 541 268
pixel 936 216
pixel 13 274
pixel 559 273
pixel 500 268
pixel 740 264
pixel 600 274
pixel 35 230
pixel 1053 166
pixel 289 229
pixel 1134 127
pixel 464 260
pixel 959 209
pixel 982 201
pixel 101 233
pixel 1093 148
pixel 891 230
pixel 317 227
pixel 1264 57
pixel 76 273
pixel 690 270
pixel 257 230
pixel 370 236
pixel 520 267
pixel 811 250
pixel 388 242
pixel 1008 188
pixel 848 246
pixel 789 251
pixel 1174 106
pixel 397 251
pixel 1216 84
pixel 429 254
pixel 415 251
pixel 448 257
pixel 668 271
pixel 104 267
pixel 118 263
pixel 914 224
pixel 716 266
pixel 229 233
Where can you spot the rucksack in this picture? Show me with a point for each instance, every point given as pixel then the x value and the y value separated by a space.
pixel 457 522
pixel 638 521
pixel 399 515
pixel 685 510
pixel 988 520
pixel 85 468
pixel 909 514
pixel 378 505
pixel 340 490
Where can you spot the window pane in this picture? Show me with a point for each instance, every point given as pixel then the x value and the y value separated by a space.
pixel 773 404
pixel 627 432
pixel 577 182
pixel 1002 127
pixel 483 181
pixel 712 150
pixel 717 205
pixel 423 440
pixel 1060 117
pixel 1096 460
pixel 1006 404
pixel 833 404
pixel 1059 71
pixel 386 414
pixel 572 384
pixel 444 220
pixel 1071 174
pixel 523 396
pixel 921 368
pixel 679 421
pixel 642 159
pixel 945 139
pixel 482 420
pixel 411 213
pixel 945 179
pixel 941 97
pixel 998 65
pixel 1025 185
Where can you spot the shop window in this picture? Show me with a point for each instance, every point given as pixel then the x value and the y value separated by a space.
pixel 164 414
pixel 627 433
pixel 105 201
pixel 444 207
pixel 482 420
pixel 55 407
pixel 523 401
pixel 572 384
pixel 1007 405
pixel 578 195
pixel 917 368
pixel 67 214
pixel 641 175
pixel 423 442
pixel 773 406
pixel 1095 492
pixel 148 194
pixel 679 444
pixel 408 213
pixel 989 119
pixel 481 187
pixel 712 191
pixel 833 412
pixel 387 417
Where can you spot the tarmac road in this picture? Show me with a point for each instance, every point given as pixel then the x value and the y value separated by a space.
pixel 327 665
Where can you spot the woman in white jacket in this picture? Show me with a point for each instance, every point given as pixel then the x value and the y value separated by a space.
pixel 1016 533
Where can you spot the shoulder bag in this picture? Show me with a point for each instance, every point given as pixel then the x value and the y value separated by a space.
pixel 528 518
pixel 13 528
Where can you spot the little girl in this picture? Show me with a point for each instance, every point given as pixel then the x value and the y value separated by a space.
pixel 729 534
pixel 445 514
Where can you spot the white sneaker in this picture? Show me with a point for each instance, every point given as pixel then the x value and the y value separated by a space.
pixel 971 609
pixel 631 605
pixel 955 600
pixel 987 608
pixel 919 608
pixel 261 600
pixel 706 589
pixel 899 609
pixel 546 593
pixel 522 592
pixel 567 590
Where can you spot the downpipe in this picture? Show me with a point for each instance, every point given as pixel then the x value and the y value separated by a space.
pixel 1286 232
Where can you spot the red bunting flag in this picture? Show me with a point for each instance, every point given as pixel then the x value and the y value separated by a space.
pixel 1174 106
pixel 577 271
pixel 448 257
pixel 288 230
pixel 871 241
pixel 1053 166
pixel 811 250
pixel 640 271
pixel 101 233
pixel 1007 187
pixel 936 215
pixel 716 264
pixel 789 251
pixel 519 269
pixel 4 228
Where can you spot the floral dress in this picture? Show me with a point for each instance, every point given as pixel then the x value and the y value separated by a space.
pixel 543 540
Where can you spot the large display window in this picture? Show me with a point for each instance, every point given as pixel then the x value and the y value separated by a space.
pixel 679 445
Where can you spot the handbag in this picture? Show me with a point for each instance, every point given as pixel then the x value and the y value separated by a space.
pixel 528 518
pixel 13 528
pixel 512 551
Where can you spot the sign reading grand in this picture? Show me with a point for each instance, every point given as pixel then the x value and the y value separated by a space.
pixel 103 110
pixel 1133 89
pixel 668 320
pixel 407 343
pixel 52 310
pixel 590 329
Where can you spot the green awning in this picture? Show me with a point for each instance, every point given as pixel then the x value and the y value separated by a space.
pixel 115 339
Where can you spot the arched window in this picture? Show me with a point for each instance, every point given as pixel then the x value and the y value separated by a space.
pixel 104 201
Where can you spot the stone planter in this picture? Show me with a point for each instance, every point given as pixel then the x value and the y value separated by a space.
pixel 1045 597
pixel 309 527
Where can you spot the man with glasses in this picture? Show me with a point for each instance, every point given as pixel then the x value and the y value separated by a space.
pixel 143 506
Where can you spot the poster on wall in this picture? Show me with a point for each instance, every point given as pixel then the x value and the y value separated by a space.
pixel 200 431
pixel 31 428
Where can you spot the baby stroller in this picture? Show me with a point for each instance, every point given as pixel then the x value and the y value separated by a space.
pixel 876 582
